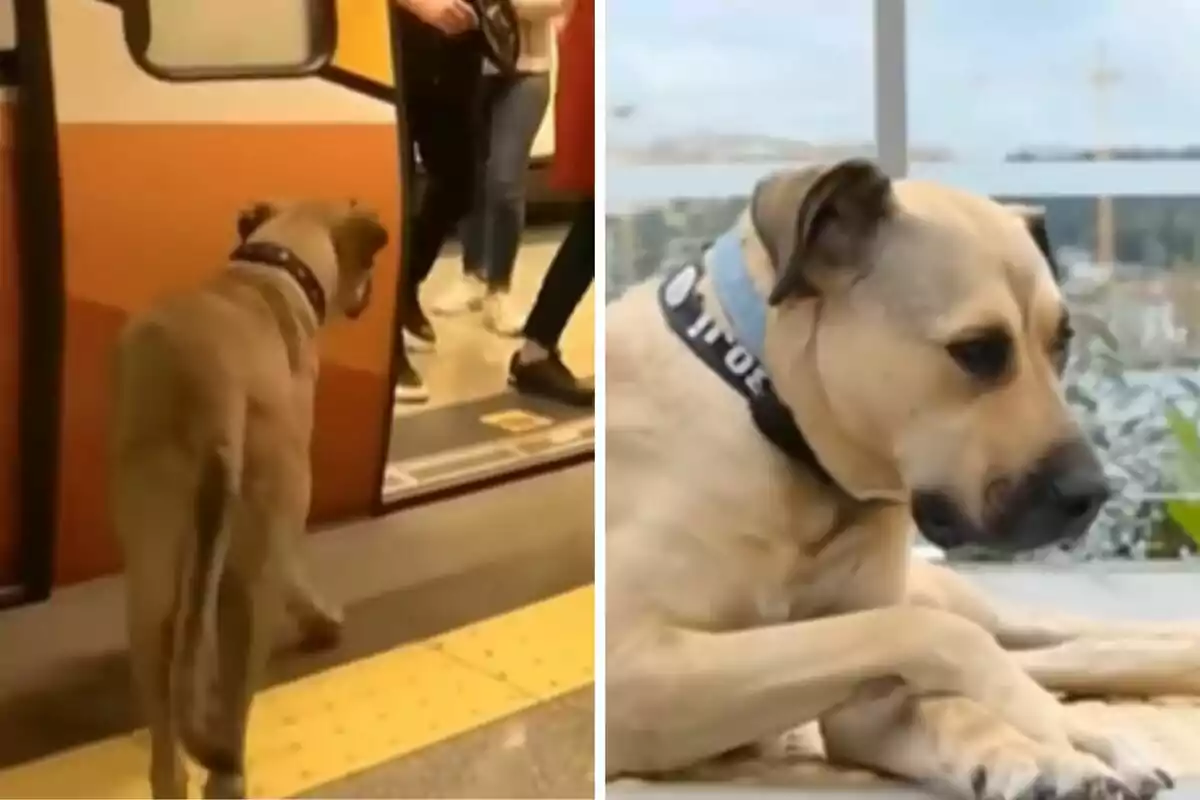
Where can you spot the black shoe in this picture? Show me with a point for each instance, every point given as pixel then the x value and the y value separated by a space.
pixel 549 377
pixel 409 386
pixel 420 338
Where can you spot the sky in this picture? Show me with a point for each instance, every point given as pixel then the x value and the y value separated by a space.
pixel 984 76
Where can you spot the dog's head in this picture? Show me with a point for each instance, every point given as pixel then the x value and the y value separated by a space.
pixel 338 240
pixel 919 335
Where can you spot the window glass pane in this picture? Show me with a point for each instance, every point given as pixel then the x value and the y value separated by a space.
pixel 1089 110
pixel 705 96
pixel 227 38
pixel 8 26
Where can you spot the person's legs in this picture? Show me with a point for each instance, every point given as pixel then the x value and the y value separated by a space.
pixel 537 367
pixel 447 138
pixel 517 116
pixel 407 384
pixel 467 292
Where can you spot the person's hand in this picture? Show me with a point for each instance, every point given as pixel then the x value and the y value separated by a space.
pixel 451 17
pixel 564 15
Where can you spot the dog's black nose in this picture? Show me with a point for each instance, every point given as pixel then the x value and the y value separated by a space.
pixel 1080 493
pixel 1073 487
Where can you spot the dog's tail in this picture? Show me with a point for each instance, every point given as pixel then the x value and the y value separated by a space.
pixel 195 658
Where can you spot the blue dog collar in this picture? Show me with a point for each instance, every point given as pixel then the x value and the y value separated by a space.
pixel 729 357
pixel 744 306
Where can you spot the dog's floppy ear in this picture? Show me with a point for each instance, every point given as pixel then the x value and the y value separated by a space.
pixel 251 217
pixel 358 238
pixel 1034 218
pixel 819 218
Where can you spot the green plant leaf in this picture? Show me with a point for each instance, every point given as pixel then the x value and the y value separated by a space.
pixel 1186 514
pixel 1184 430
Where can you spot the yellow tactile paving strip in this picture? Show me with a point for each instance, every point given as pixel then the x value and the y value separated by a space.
pixel 329 725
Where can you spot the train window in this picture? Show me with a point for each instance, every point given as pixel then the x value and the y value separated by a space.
pixel 230 39
pixel 8 26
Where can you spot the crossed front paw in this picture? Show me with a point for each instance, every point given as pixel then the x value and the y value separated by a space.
pixel 1033 771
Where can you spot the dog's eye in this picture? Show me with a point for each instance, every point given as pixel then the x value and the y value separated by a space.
pixel 1060 348
pixel 1063 336
pixel 983 355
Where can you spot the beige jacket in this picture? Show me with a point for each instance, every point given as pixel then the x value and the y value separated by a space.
pixel 537 34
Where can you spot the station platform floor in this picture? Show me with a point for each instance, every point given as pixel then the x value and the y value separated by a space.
pixel 466 667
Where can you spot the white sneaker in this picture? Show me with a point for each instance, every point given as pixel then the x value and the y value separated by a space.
pixel 465 294
pixel 410 388
pixel 500 315
pixel 411 395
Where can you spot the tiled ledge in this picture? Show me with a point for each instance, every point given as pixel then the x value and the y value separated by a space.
pixel 1160 591
pixel 1186 790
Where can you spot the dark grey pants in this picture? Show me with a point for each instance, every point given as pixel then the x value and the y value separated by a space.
pixel 491 234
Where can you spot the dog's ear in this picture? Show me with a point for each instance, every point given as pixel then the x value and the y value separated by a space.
pixel 357 239
pixel 253 216
pixel 1034 218
pixel 819 218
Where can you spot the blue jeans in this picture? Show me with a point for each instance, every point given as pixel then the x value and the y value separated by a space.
pixel 491 232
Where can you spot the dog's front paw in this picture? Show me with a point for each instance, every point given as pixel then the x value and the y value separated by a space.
pixel 1127 757
pixel 1032 771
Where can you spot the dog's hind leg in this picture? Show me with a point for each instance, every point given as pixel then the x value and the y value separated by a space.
pixel 249 606
pixel 152 531
pixel 937 586
pixel 245 617
pixel 151 638
pixel 1068 653
pixel 677 697
pixel 1127 665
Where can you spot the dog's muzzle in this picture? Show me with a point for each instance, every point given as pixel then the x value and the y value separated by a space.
pixel 1057 501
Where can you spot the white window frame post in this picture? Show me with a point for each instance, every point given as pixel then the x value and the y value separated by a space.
pixel 891 87
pixel 891 124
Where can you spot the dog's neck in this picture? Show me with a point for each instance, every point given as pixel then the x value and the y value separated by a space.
pixel 307 296
pixel 789 354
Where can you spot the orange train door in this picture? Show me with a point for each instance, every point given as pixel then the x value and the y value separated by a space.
pixel 10 583
pixel 170 118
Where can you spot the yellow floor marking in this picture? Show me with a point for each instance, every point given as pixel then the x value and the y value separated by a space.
pixel 515 421
pixel 329 725
pixel 507 649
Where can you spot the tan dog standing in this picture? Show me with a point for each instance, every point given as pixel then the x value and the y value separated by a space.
pixel 911 340
pixel 211 475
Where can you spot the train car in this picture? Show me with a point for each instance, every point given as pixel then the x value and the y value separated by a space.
pixel 131 134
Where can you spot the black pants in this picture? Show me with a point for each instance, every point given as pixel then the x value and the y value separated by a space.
pixel 567 280
pixel 439 100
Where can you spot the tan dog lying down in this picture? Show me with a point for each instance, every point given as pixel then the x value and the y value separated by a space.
pixel 211 475
pixel 856 354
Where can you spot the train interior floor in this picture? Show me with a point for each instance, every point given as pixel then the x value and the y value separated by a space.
pixel 468 640
pixel 474 426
